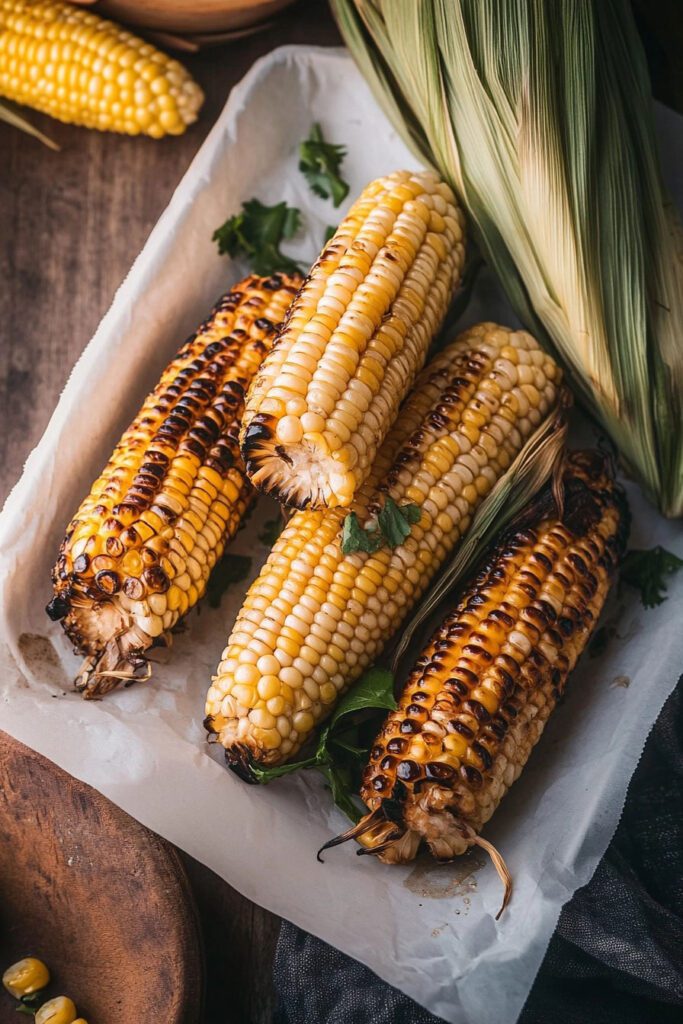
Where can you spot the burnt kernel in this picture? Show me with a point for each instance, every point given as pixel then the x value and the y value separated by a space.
pixel 477 710
pixel 387 763
pixel 420 696
pixel 498 726
pixel 464 730
pixel 81 564
pixel 156 579
pixel 500 616
pixel 415 709
pixel 566 625
pixel 57 608
pixel 149 556
pixel 477 651
pixel 256 432
pixel 409 728
pixel 394 746
pixel 483 755
pixel 471 776
pixel 510 709
pixel 379 782
pixel 376 752
pixel 408 771
pixel 547 609
pixel 439 771
pixel 113 547
pixel 556 677
pixel 272 283
pixel 130 537
pixel 578 563
pixel 108 581
pixel 456 686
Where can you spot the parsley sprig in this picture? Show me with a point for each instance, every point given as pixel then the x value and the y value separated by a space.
pixel 257 233
pixel 319 162
pixel 647 571
pixel 391 527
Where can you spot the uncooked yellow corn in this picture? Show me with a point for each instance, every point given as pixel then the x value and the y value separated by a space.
pixel 356 337
pixel 316 617
pixel 139 552
pixel 82 69
pixel 60 1010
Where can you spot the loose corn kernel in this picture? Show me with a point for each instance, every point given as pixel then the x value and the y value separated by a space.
pixel 321 593
pixel 60 1010
pixel 156 98
pixel 171 497
pixel 26 977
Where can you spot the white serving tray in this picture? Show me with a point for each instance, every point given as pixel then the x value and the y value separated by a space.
pixel 428 930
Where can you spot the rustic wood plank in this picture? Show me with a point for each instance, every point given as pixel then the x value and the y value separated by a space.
pixel 71 224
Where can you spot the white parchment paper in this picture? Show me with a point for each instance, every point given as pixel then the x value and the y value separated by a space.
pixel 428 930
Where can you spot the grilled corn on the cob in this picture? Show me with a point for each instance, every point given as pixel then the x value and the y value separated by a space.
pixel 316 617
pixel 79 68
pixel 357 335
pixel 479 696
pixel 140 549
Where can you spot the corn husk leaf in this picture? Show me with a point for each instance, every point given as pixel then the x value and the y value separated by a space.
pixel 17 121
pixel 539 460
pixel 538 112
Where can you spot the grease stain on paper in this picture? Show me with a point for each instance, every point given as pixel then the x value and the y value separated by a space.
pixel 443 881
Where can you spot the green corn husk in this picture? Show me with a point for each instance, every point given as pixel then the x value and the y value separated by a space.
pixel 539 113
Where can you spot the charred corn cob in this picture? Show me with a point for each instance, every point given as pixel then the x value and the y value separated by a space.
pixel 79 68
pixel 479 696
pixel 355 339
pixel 140 549
pixel 316 618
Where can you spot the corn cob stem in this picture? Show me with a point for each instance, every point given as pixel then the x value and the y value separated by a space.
pixel 138 554
pixel 82 69
pixel 480 694
pixel 316 617
pixel 355 339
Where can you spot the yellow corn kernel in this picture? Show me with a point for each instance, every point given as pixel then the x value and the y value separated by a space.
pixel 26 977
pixel 60 1010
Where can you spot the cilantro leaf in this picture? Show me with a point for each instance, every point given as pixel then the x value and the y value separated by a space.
pixel 356 538
pixel 319 162
pixel 391 527
pixel 256 232
pixel 647 571
pixel 230 569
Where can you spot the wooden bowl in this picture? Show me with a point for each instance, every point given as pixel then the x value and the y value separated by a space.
pixel 195 17
pixel 103 901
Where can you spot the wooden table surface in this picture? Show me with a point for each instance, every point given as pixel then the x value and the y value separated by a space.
pixel 71 224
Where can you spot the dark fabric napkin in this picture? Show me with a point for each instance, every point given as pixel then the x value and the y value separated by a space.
pixel 616 956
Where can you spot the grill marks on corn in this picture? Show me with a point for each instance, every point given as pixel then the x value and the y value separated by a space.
pixel 139 552
pixel 480 694
pixel 356 337
pixel 316 618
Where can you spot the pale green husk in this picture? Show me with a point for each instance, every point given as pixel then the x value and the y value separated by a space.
pixel 539 113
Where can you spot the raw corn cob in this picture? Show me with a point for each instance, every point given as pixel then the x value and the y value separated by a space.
pixel 315 618
pixel 139 551
pixel 82 69
pixel 356 338
pixel 480 694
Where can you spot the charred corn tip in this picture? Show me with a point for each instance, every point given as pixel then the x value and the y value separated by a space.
pixel 355 339
pixel 480 694
pixel 316 617
pixel 77 67
pixel 139 551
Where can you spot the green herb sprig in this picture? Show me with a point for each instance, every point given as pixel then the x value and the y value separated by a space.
pixel 390 528
pixel 319 162
pixel 257 233
pixel 647 571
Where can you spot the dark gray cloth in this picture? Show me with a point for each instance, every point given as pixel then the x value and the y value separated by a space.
pixel 616 956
